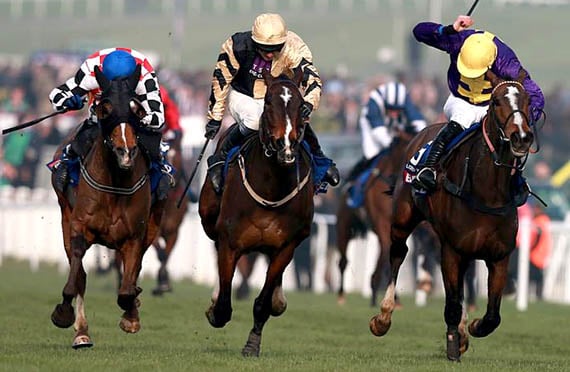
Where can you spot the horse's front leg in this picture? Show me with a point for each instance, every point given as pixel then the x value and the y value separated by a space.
pixel 63 315
pixel 131 253
pixel 220 312
pixel 453 269
pixel 271 300
pixel 496 285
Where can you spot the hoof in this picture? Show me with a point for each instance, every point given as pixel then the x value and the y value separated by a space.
pixel 379 328
pixel 341 300
pixel 453 352
pixel 63 315
pixel 474 328
pixel 214 322
pixel 82 342
pixel 161 289
pixel 130 325
pixel 252 347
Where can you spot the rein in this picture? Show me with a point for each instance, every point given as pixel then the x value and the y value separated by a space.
pixel 111 189
pixel 258 198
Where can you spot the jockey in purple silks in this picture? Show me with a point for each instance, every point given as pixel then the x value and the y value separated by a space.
pixel 472 53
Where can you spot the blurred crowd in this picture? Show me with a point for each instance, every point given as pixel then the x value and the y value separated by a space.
pixel 24 90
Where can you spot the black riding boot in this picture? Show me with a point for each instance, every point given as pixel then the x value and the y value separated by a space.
pixel 79 146
pixel 332 176
pixel 216 162
pixel 426 178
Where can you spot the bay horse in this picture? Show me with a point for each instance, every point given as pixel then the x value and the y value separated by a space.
pixel 111 206
pixel 473 211
pixel 376 213
pixel 266 206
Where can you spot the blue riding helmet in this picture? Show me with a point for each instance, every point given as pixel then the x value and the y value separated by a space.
pixel 118 64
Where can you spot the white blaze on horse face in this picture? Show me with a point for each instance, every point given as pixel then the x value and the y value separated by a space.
pixel 286 97
pixel 512 93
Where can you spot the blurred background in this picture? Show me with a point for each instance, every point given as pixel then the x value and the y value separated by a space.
pixel 356 45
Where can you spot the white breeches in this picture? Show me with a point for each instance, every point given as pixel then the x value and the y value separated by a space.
pixel 463 112
pixel 245 110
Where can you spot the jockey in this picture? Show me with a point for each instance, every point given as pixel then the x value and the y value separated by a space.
pixel 172 129
pixel 388 111
pixel 472 53
pixel 115 63
pixel 244 55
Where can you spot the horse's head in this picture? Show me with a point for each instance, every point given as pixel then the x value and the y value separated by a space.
pixel 281 126
pixel 117 111
pixel 509 112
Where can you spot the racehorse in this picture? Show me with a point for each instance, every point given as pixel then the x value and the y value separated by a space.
pixel 266 205
pixel 172 218
pixel 111 206
pixel 377 212
pixel 473 210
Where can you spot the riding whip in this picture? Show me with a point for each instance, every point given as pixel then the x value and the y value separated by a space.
pixel 193 173
pixel 472 8
pixel 33 122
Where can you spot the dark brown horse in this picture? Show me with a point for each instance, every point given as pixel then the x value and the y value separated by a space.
pixel 110 206
pixel 376 212
pixel 266 206
pixel 473 211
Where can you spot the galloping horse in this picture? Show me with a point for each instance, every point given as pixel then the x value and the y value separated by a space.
pixel 111 206
pixel 377 213
pixel 473 210
pixel 266 206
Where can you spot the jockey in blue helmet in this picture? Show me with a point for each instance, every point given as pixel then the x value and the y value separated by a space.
pixel 115 63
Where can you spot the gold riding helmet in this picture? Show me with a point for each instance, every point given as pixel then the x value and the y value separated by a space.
pixel 477 55
pixel 269 31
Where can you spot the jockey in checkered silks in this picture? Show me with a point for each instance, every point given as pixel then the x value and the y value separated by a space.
pixel 115 63
pixel 244 56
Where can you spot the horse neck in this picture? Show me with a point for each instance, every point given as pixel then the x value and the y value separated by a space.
pixel 485 175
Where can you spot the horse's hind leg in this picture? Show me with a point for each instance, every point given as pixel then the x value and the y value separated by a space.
pixel 492 318
pixel 270 300
pixel 453 269
pixel 131 254
pixel 343 237
pixel 163 279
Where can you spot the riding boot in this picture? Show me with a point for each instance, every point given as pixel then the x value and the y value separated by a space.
pixel 216 162
pixel 426 178
pixel 332 176
pixel 61 171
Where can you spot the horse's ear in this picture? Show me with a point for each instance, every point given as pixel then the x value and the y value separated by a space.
pixel 298 76
pixel 101 79
pixel 493 78
pixel 267 77
pixel 103 110
pixel 135 77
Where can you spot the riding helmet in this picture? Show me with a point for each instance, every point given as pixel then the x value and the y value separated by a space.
pixel 394 95
pixel 118 64
pixel 476 55
pixel 269 29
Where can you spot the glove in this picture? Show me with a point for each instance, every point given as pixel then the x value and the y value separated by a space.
pixel 212 128
pixel 147 120
pixel 74 102
pixel 306 109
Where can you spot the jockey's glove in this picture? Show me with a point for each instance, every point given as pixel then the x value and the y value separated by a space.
pixel 306 109
pixel 150 121
pixel 73 101
pixel 212 128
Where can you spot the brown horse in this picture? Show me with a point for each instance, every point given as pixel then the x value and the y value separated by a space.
pixel 473 210
pixel 110 206
pixel 377 212
pixel 171 220
pixel 266 206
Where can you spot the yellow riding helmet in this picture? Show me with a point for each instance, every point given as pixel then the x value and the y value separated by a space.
pixel 269 29
pixel 476 55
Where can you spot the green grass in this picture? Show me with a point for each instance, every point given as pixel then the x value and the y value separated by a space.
pixel 314 334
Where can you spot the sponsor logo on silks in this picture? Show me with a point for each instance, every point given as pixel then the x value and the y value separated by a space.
pixel 408 177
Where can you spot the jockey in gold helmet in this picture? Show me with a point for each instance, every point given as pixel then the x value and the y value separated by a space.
pixel 244 56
